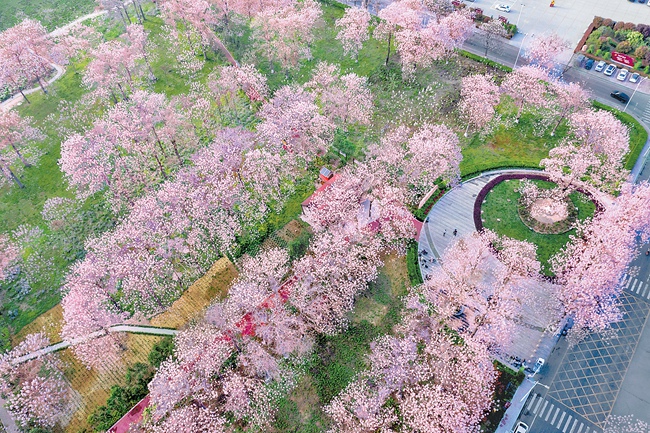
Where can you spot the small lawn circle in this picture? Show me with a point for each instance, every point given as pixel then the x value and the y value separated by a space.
pixel 498 210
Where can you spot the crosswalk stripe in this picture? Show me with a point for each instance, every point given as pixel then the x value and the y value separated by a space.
pixel 550 411
pixel 559 423
pixel 543 408
pixel 573 427
pixel 539 402
pixel 645 290
pixel 633 285
pixel 629 280
pixel 568 421
pixel 530 403
pixel 581 426
pixel 557 411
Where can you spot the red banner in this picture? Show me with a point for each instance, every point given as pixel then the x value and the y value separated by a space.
pixel 623 58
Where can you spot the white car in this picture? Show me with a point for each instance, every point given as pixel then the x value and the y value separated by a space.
pixel 609 70
pixel 538 365
pixel 634 77
pixel 521 428
pixel 503 8
pixel 600 66
pixel 622 75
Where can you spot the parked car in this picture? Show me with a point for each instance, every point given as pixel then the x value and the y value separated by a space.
pixel 600 66
pixel 634 77
pixel 538 365
pixel 622 75
pixel 641 1
pixel 610 70
pixel 620 96
pixel 589 64
pixel 521 428
pixel 503 8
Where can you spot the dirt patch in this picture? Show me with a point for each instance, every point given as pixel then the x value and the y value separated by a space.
pixel 305 397
pixel 290 231
pixel 369 310
pixel 214 284
pixel 547 211
pixel 49 323
pixel 397 273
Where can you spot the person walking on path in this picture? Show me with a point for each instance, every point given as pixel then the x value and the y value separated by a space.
pixel 455 232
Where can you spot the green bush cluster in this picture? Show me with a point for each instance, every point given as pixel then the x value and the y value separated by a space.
pixel 413 265
pixel 135 388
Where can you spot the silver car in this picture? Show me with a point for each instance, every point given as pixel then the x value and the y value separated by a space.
pixel 600 66
pixel 622 75
pixel 610 70
pixel 634 77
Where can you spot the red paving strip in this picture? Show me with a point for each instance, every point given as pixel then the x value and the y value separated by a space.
pixel 132 416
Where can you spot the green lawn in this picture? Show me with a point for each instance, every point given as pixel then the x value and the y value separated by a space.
pixel 51 13
pixel 500 214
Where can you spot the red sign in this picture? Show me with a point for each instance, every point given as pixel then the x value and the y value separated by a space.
pixel 623 58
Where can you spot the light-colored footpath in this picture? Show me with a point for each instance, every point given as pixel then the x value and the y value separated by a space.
pixel 18 98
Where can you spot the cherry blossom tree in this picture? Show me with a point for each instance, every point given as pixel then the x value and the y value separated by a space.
pixel 625 424
pixel 198 20
pixel 331 277
pixel 492 32
pixel 246 78
pixel 137 37
pixel 291 121
pixel 415 163
pixel 16 132
pixel 360 408
pixel 35 390
pixel 145 131
pixel 526 87
pixel 399 15
pixel 592 264
pixel 113 69
pixel 479 96
pixel 8 255
pixel 27 53
pixel 593 154
pixel 544 49
pixel 345 99
pixel 567 99
pixel 354 30
pixel 437 384
pixel 482 275
pixel 284 32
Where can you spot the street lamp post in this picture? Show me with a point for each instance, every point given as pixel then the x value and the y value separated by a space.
pixel 520 47
pixel 635 89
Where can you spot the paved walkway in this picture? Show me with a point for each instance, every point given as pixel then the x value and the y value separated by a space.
pixel 17 99
pixel 134 329
pixel 455 212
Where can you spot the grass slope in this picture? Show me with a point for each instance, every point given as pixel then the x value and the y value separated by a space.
pixel 51 13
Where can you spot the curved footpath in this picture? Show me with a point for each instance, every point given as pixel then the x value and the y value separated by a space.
pixel 18 98
pixel 455 211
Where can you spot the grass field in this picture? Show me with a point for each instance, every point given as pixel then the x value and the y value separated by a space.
pixel 500 214
pixel 51 13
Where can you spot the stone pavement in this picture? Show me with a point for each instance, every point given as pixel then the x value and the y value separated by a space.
pixel 455 211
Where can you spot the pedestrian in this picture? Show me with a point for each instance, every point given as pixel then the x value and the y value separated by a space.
pixel 455 232
pixel 647 253
pixel 444 233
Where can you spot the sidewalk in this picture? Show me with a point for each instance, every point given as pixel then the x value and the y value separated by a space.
pixel 455 212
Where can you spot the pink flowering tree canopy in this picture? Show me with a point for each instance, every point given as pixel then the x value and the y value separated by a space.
pixel 354 30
